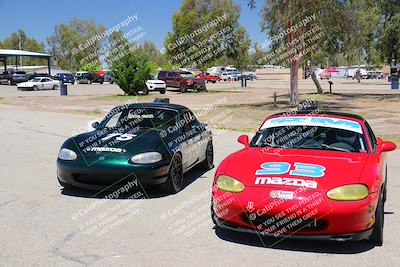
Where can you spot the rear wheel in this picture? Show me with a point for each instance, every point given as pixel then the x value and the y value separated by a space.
pixel 376 238
pixel 162 91
pixel 182 88
pixel 175 175
pixel 208 162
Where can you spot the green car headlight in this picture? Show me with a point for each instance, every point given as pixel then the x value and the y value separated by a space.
pixel 67 154
pixel 229 184
pixel 348 192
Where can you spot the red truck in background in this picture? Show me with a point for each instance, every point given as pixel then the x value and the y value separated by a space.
pixel 208 77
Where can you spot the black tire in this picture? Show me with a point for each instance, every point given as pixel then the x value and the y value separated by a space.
pixel 35 88
pixel 65 185
pixel 213 214
pixel 55 87
pixel 385 188
pixel 101 82
pixel 214 81
pixel 175 175
pixel 182 88
pixel 208 163
pixel 145 91
pixel 376 238
pixel 162 91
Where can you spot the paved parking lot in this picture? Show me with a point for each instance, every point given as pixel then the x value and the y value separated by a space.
pixel 44 225
pixel 280 86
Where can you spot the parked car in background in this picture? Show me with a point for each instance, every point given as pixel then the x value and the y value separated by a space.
pixel 208 77
pixel 79 74
pixel 183 80
pixel 65 77
pixel 40 83
pixel 109 77
pixel 35 75
pixel 13 77
pixel 250 75
pixel 153 84
pixel 228 76
pixel 89 78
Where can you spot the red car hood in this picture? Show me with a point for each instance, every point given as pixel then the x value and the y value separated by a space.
pixel 341 168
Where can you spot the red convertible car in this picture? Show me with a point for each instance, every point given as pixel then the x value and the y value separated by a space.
pixel 305 175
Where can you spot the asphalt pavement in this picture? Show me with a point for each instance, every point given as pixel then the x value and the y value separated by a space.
pixel 41 224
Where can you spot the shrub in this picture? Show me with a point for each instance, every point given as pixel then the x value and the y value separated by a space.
pixel 131 72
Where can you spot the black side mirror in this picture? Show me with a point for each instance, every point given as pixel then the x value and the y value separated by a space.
pixel 95 124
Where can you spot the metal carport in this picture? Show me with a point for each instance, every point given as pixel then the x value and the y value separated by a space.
pixel 6 53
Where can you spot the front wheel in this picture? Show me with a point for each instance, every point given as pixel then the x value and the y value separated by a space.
pixel 146 91
pixel 55 87
pixel 376 238
pixel 35 88
pixel 162 91
pixel 182 88
pixel 175 175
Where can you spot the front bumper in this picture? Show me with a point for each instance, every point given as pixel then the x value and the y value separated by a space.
pixel 310 214
pixel 98 176
pixel 339 237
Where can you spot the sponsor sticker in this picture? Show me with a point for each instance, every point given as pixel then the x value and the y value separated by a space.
pixel 281 194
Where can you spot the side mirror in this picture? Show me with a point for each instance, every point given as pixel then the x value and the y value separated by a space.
pixel 385 146
pixel 95 124
pixel 244 139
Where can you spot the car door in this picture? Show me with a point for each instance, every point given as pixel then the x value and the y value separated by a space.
pixel 47 84
pixel 191 146
pixel 169 79
pixel 41 84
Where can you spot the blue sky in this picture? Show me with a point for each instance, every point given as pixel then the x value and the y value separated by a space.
pixel 38 18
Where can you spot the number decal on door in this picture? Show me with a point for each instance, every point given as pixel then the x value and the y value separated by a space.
pixel 300 169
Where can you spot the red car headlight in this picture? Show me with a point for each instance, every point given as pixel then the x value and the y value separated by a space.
pixel 350 192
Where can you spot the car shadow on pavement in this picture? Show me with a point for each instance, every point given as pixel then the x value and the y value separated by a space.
pixel 148 192
pixel 302 245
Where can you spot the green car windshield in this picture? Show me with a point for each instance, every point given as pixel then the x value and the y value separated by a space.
pixel 140 117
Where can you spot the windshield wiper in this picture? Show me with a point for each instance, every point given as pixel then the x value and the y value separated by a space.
pixel 333 148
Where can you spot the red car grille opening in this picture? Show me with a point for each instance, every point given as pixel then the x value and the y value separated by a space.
pixel 288 223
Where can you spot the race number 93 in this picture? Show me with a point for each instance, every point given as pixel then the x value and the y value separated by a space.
pixel 298 169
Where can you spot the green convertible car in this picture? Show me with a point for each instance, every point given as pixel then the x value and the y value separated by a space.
pixel 148 143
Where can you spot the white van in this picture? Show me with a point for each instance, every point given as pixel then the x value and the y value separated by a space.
pixel 216 70
pixel 79 74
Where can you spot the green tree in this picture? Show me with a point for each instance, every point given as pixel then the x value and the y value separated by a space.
pixel 117 46
pixel 76 45
pixel 290 23
pixel 389 38
pixel 204 31
pixel 131 72
pixel 20 41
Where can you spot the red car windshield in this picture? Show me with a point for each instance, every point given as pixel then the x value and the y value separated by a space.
pixel 310 137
